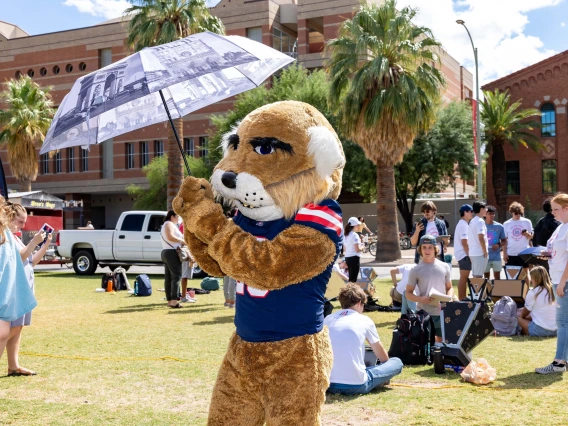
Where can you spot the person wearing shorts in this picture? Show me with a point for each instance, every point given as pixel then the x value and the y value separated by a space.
pixel 496 239
pixel 477 240
pixel 430 274
pixel 519 232
pixel 461 248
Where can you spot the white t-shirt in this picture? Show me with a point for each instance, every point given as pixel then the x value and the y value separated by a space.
pixel 476 227
pixel 431 229
pixel 460 233
pixel 337 268
pixel 543 312
pixel 348 330
pixel 558 248
pixel 516 241
pixel 177 234
pixel 404 271
pixel 349 243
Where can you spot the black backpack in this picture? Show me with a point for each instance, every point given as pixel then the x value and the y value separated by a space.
pixel 118 280
pixel 105 279
pixel 142 286
pixel 413 339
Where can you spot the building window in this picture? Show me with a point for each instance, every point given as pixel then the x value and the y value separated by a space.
pixel 84 160
pixel 189 147
pixel 548 120
pixel 255 34
pixel 549 176
pixel 204 148
pixel 513 178
pixel 282 41
pixel 44 159
pixel 57 166
pixel 71 159
pixel 129 155
pixel 144 154
pixel 105 57
pixel 158 148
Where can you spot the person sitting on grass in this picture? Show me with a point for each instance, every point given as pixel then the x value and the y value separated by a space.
pixel 397 292
pixel 348 330
pixel 538 317
pixel 341 268
pixel 429 274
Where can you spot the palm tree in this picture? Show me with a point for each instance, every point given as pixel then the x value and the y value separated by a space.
pixel 24 122
pixel 385 87
pixel 155 22
pixel 506 123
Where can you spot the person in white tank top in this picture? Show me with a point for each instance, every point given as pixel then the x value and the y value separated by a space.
pixel 172 238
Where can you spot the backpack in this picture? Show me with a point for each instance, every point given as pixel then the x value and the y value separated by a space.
pixel 504 317
pixel 142 286
pixel 120 280
pixel 413 339
pixel 104 281
pixel 210 283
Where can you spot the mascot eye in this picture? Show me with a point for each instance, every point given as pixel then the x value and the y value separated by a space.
pixel 264 149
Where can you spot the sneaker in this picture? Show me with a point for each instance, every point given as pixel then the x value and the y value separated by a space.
pixel 187 299
pixel 551 368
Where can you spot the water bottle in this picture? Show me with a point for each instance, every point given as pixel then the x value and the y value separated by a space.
pixel 109 285
pixel 438 360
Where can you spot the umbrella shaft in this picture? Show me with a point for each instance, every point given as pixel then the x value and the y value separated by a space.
pixel 175 132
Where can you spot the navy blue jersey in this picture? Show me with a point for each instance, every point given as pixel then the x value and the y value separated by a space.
pixel 295 310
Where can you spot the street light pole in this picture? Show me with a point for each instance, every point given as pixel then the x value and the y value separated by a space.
pixel 477 121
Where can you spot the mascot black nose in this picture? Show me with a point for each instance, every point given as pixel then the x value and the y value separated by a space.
pixel 229 179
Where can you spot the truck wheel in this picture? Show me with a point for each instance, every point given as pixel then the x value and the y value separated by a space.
pixel 113 267
pixel 198 272
pixel 84 263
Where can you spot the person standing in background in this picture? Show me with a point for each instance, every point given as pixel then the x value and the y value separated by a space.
pixel 461 248
pixel 477 240
pixel 430 225
pixel 546 225
pixel 496 239
pixel 353 247
pixel 442 218
pixel 519 232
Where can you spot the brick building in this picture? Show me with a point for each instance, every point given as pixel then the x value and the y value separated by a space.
pixel 533 177
pixel 99 176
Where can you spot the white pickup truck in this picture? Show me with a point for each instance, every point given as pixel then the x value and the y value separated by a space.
pixel 136 240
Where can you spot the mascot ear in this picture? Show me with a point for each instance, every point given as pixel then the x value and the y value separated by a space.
pixel 325 149
pixel 230 140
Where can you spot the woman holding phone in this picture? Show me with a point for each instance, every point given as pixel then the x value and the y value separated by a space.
pixel 18 217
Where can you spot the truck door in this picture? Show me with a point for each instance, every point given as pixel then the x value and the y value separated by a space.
pixel 152 243
pixel 127 244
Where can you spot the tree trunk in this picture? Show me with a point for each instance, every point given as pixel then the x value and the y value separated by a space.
pixel 499 179
pixel 175 161
pixel 388 248
pixel 25 186
pixel 405 211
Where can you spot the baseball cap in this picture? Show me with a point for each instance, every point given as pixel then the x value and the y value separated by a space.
pixel 466 208
pixel 427 239
pixel 353 221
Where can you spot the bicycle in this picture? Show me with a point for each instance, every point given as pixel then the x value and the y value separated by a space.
pixel 370 244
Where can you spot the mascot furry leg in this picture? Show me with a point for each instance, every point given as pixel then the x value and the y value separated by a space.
pixel 282 168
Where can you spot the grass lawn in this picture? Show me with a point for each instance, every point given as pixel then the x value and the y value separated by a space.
pixel 108 359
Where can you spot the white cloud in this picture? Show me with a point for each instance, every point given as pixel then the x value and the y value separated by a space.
pixel 562 24
pixel 496 26
pixel 105 8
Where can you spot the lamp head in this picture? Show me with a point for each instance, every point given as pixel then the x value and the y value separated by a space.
pixel 460 21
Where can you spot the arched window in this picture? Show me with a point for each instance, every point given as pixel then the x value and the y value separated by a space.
pixel 548 120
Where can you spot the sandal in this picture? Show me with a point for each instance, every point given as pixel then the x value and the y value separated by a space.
pixel 176 306
pixel 21 372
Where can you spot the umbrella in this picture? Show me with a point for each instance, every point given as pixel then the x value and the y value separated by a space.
pixel 157 84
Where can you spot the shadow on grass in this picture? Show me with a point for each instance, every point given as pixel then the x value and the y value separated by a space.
pixel 529 380
pixel 332 398
pixel 219 320
pixel 431 374
pixel 160 306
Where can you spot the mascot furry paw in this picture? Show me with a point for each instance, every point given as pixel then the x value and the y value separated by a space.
pixel 282 168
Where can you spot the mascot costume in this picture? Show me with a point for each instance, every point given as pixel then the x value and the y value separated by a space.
pixel 282 169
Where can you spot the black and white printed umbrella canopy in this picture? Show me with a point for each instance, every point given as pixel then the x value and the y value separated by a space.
pixel 157 84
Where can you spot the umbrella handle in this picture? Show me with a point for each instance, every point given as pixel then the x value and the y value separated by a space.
pixel 175 132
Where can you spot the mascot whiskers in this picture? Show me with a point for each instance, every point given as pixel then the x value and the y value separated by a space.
pixel 282 169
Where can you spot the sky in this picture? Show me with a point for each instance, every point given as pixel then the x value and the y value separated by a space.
pixel 509 34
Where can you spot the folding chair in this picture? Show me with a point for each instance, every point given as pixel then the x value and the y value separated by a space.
pixel 515 289
pixel 334 284
pixel 479 289
pixel 512 272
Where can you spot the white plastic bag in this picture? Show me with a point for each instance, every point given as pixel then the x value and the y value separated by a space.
pixel 479 373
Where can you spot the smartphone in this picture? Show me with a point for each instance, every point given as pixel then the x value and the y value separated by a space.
pixel 48 229
pixel 523 231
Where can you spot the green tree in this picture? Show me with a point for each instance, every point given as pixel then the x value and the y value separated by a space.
pixel 24 121
pixel 432 162
pixel 293 83
pixel 385 87
pixel 155 22
pixel 504 122
pixel 155 197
